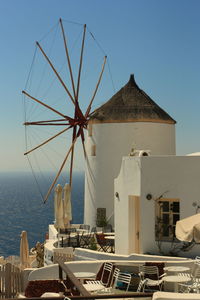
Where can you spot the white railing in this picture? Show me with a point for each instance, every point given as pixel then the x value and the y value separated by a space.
pixel 64 254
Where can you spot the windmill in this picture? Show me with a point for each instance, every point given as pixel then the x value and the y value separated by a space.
pixel 77 123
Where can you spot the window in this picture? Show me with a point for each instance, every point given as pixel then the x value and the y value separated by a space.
pixel 167 214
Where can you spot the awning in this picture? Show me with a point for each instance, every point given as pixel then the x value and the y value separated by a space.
pixel 188 229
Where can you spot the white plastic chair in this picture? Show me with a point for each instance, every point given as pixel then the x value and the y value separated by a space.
pixel 147 271
pixel 114 277
pixel 107 268
pixel 123 278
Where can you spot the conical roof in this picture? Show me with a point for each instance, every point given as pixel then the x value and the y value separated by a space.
pixel 130 104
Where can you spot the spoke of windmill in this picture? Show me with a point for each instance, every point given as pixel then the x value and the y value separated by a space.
pixel 83 143
pixel 80 65
pixel 97 86
pixel 45 124
pixel 72 156
pixel 60 170
pixel 45 121
pixel 79 112
pixel 86 157
pixel 47 106
pixel 50 139
pixel 68 58
pixel 61 81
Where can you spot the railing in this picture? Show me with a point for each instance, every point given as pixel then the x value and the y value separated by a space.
pixel 63 256
pixel 11 281
pixel 106 296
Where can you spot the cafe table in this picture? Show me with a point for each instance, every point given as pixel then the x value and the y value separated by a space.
pixel 174 270
pixel 171 282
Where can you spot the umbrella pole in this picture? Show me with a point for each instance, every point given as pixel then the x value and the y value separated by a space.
pixel 58 237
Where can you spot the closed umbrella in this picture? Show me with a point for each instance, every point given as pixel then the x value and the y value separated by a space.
pixel 188 229
pixel 58 207
pixel 24 251
pixel 67 205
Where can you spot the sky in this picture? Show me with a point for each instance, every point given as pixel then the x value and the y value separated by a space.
pixel 157 40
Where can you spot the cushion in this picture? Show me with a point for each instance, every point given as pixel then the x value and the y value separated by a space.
pixel 49 295
pixel 36 288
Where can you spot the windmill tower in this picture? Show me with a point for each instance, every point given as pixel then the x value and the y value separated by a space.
pixel 129 120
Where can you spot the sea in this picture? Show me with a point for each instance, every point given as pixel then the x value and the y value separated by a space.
pixel 22 208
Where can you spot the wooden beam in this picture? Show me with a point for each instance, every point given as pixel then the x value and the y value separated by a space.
pixel 61 81
pixel 80 65
pixel 46 121
pixel 72 157
pixel 60 170
pixel 73 279
pixel 97 86
pixel 50 139
pixel 124 295
pixel 45 124
pixel 68 58
pixel 83 143
pixel 42 103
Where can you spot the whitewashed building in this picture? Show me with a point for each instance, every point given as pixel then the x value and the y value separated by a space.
pixel 151 194
pixel 129 121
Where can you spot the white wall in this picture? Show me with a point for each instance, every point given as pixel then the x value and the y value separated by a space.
pixel 175 177
pixel 52 271
pixel 170 176
pixel 127 183
pixel 113 141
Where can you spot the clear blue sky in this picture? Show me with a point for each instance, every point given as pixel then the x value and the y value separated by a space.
pixel 157 40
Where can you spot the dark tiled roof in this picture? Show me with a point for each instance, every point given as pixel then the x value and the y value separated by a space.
pixel 130 103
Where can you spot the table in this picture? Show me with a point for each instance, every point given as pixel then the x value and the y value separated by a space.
pixel 175 280
pixel 84 275
pixel 111 239
pixel 176 269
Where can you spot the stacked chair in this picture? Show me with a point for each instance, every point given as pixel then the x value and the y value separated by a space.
pixel 150 279
pixel 111 278
pixel 105 275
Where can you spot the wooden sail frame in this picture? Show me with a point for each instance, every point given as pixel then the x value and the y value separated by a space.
pixel 79 121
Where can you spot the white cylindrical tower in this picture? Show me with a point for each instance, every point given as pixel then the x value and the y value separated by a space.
pixel 130 119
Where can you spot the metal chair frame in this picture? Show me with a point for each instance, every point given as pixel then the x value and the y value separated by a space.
pixel 108 267
pixel 85 239
pixel 102 242
pixel 123 278
pixel 114 277
pixel 145 281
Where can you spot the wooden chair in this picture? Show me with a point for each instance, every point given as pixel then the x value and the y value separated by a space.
pixel 102 242
pixel 85 239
